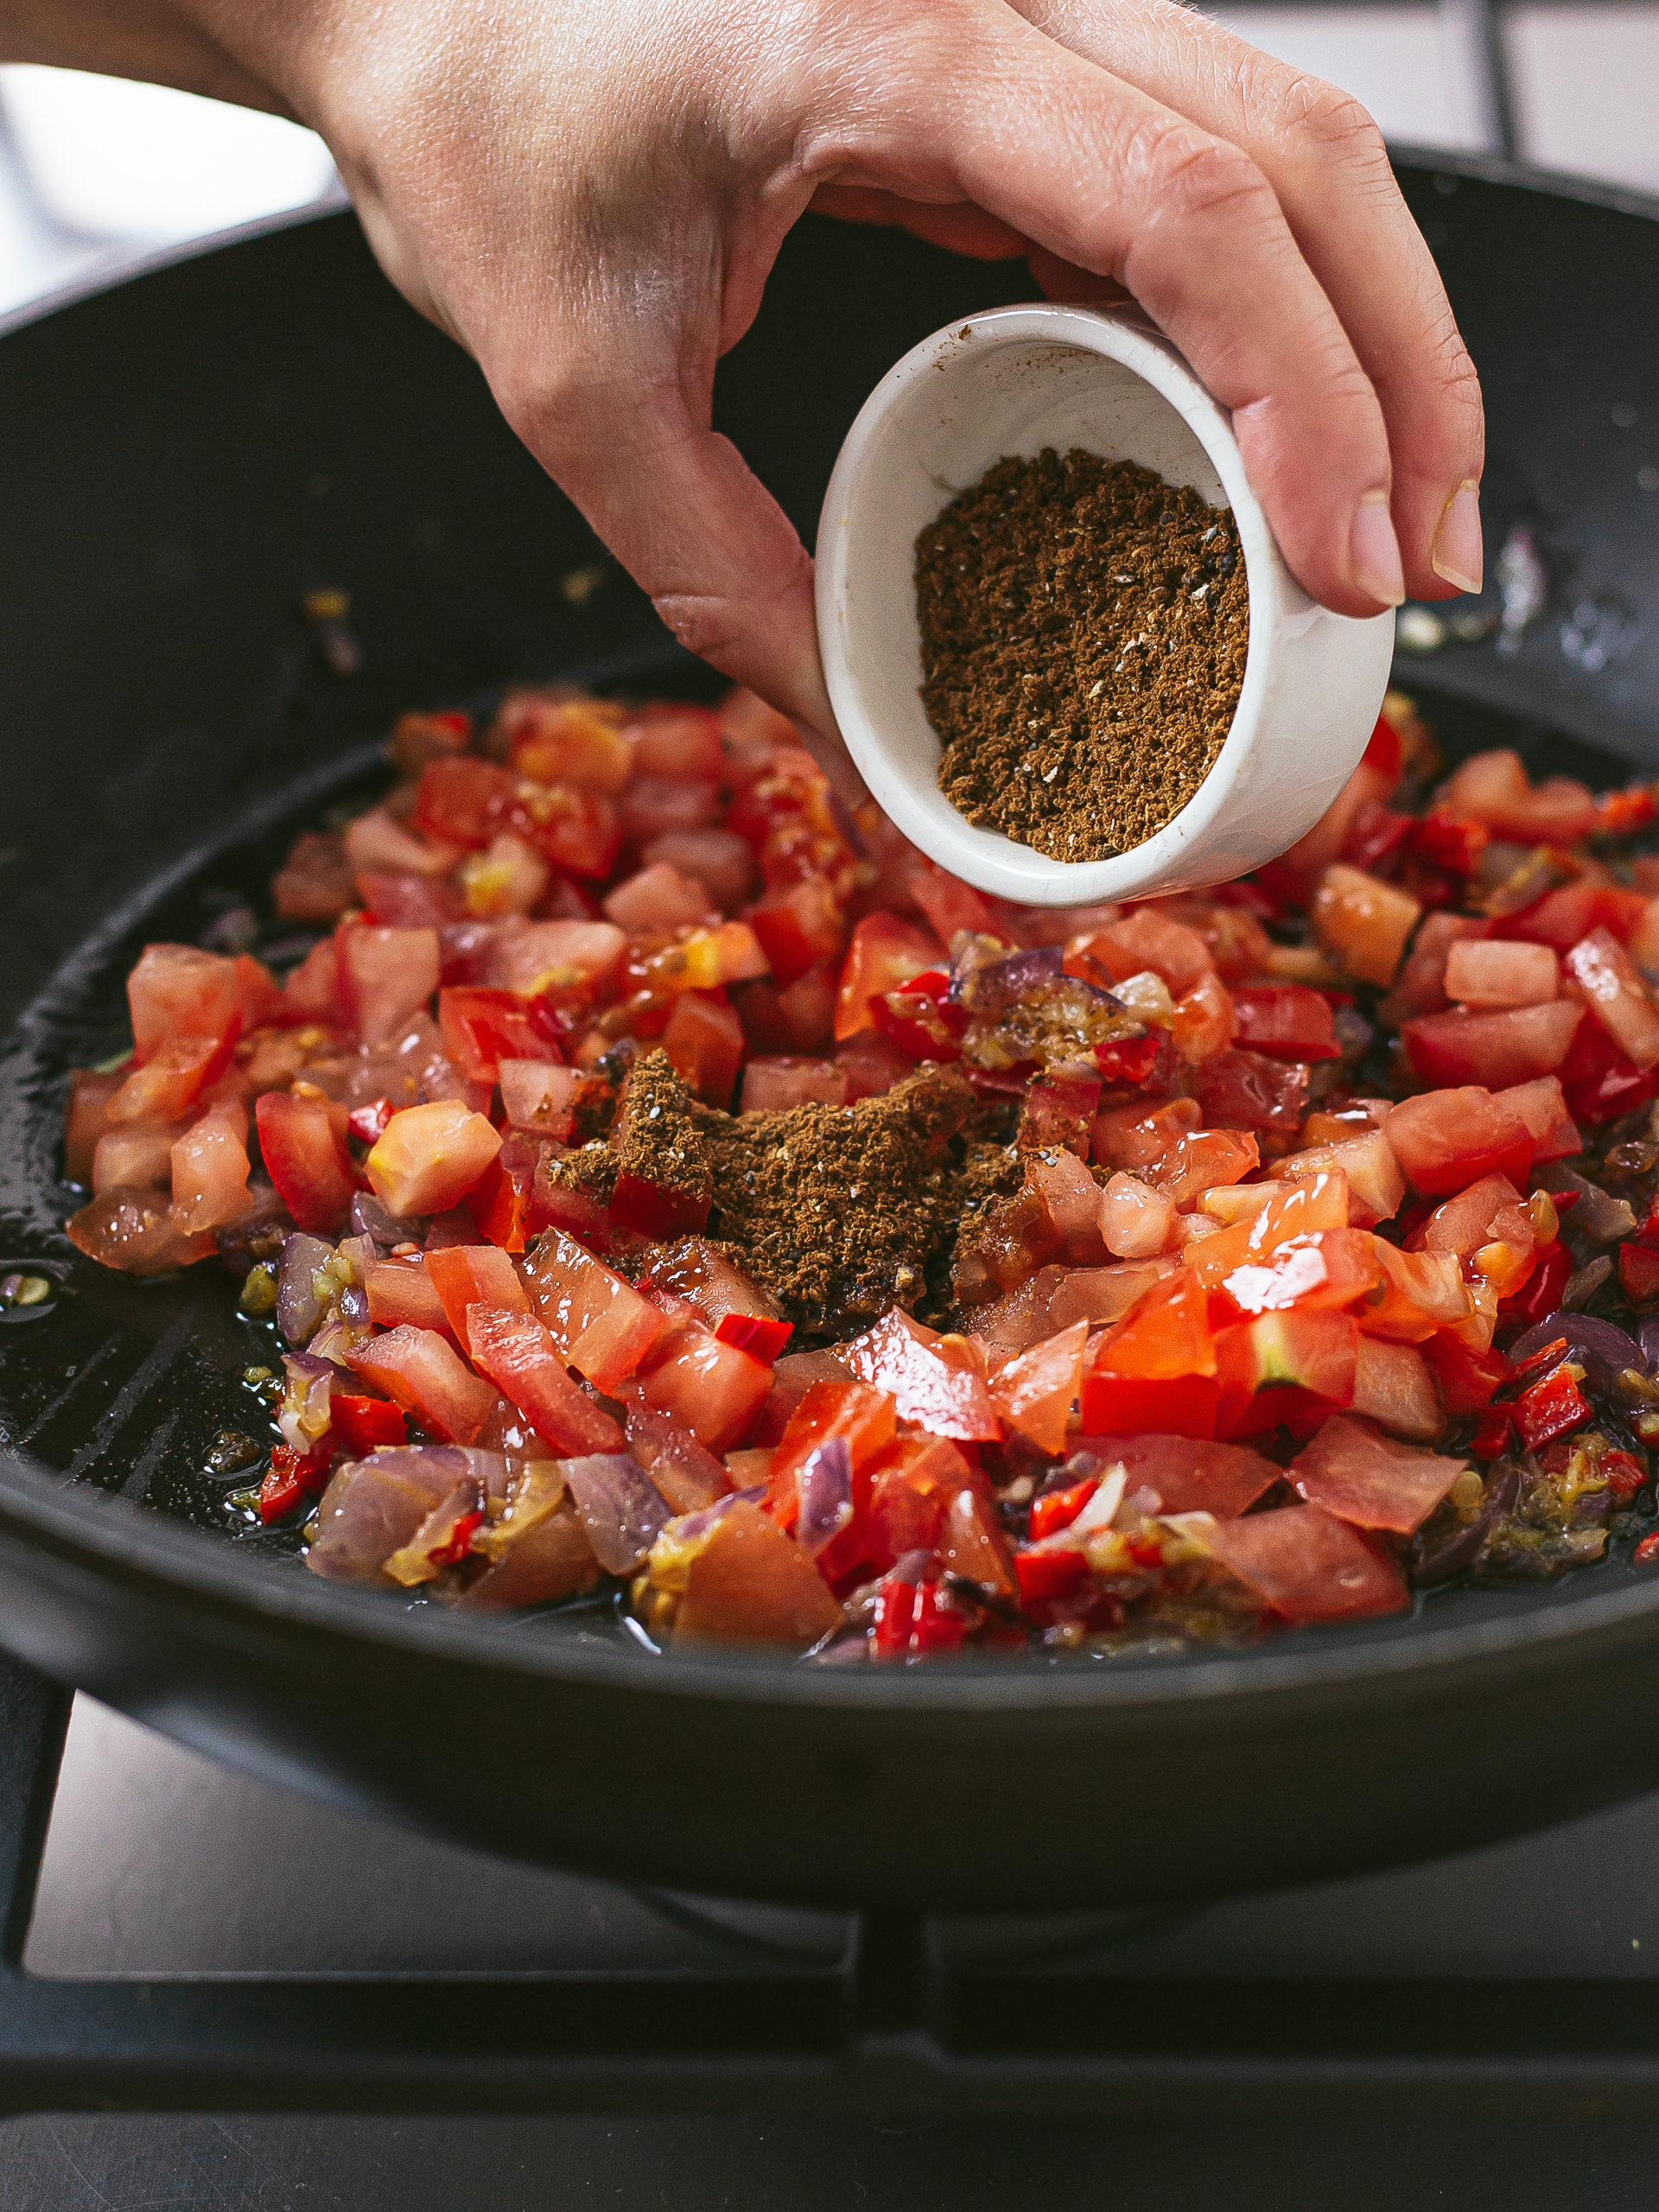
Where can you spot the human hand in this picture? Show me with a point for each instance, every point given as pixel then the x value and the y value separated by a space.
pixel 590 195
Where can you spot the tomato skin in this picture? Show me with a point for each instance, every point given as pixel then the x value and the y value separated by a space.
pixel 1446 1139
pixel 1468 1379
pixel 1498 1051
pixel 1288 1021
pixel 178 991
pixel 798 924
pixel 424 1373
pixel 1599 1083
pixel 1239 1089
pixel 1564 917
pixel 1048 1574
pixel 884 953
pixel 305 1159
pixel 1541 1292
pixel 481 1028
pixel 754 1334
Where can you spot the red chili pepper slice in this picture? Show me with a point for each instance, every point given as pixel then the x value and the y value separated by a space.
pixel 1553 1407
pixel 1058 1508
pixel 368 1123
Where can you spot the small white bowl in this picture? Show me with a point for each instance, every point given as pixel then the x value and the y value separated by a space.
pixel 1010 382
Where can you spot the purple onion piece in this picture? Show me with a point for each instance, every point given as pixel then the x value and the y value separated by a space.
pixel 825 1487
pixel 1611 1347
pixel 373 1507
pixel 1648 1337
pixel 690 1526
pixel 618 1504
pixel 304 1417
pixel 489 1469
pixel 373 1218
pixel 989 986
pixel 298 1307
pixel 910 1566
pixel 1503 1488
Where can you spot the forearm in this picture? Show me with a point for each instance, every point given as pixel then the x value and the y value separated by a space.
pixel 156 41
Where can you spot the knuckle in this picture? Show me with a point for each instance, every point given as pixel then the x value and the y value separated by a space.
pixel 1198 177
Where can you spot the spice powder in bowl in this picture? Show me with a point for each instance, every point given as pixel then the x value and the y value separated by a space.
pixel 1083 628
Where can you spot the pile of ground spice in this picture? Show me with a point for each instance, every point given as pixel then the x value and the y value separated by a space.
pixel 1083 631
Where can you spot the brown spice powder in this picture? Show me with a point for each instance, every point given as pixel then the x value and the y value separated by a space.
pixel 1083 632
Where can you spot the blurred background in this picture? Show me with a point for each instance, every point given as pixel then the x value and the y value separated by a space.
pixel 96 174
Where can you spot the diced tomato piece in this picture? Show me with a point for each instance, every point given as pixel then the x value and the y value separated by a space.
pixel 85 1118
pixel 1260 1362
pixel 919 1020
pixel 422 1371
pixel 1541 1294
pixel 1614 991
pixel 1135 1138
pixel 1035 1390
pixel 568 963
pixel 1446 1139
pixel 1395 1386
pixel 1286 1020
pixel 774 1083
pixel 949 904
pixel 798 924
pixel 864 1417
pixel 602 1325
pixel 1130 1060
pixel 571 741
pixel 399 1289
pixel 1180 1405
pixel 884 953
pixel 210 1170
pixel 1491 1208
pixel 1552 1408
pixel 1143 939
pixel 1565 916
pixel 576 831
pixel 360 1425
pixel 312 991
pixel 1495 1050
pixel 501 1203
pixel 1354 1471
pixel 658 899
pixel 1167 1334
pixel 938 1382
pixel 714 1389
pixel 1486 973
pixel 1242 1090
pixel 1205 1162
pixel 719 860
pixel 1598 1082
pixel 1329 1267
pixel 1189 1475
pixel 465 1275
pixel 1421 1292
pixel 384 977
pixel 461 800
pixel 704 1039
pixel 170 1082
pixel 1494 788
pixel 1467 1377
pixel 481 1028
pixel 752 1583
pixel 1134 1220
pixel 516 1352
pixel 1376 1186
pixel 910 1485
pixel 1306 1564
pixel 430 1157
pixel 1294 1209
pixel 1364 921
pixel 762 1337
pixel 1451 841
pixel 679 742
pixel 305 1159
pixel 1543 1107
pixel 177 991
pixel 134 1230
pixel 368 1123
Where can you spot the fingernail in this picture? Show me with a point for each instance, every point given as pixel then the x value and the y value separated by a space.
pixel 1376 551
pixel 1457 553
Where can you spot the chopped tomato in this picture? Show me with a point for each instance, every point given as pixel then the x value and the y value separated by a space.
pixel 1364 923
pixel 704 1039
pixel 1543 1107
pixel 1598 1082
pixel 1189 1475
pixel 1467 1377
pixel 864 1417
pixel 1446 1139
pixel 430 1157
pixel 177 991
pixel 399 1288
pixel 305 1159
pixel 1306 1564
pixel 1286 1020
pixel 1251 1090
pixel 210 1170
pixel 423 1372
pixel 1292 1366
pixel 884 953
pixel 384 977
pixel 1564 917
pixel 462 798
pixel 1494 788
pixel 762 1337
pixel 481 1028
pixel 464 1275
pixel 938 1382
pixel 798 924
pixel 516 1353
pixel 600 1324
pixel 1612 987
pixel 1496 1050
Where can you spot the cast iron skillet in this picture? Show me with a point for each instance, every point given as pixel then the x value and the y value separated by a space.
pixel 182 456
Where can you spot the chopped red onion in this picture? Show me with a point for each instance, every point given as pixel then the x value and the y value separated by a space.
pixel 373 1507
pixel 304 1417
pixel 373 1218
pixel 1585 1332
pixel 619 1505
pixel 299 1308
pixel 826 1487
pixel 1461 1543
pixel 1597 1216
pixel 687 1472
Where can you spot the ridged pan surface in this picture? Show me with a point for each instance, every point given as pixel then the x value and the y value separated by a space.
pixel 186 455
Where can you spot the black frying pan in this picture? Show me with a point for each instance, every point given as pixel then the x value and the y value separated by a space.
pixel 180 458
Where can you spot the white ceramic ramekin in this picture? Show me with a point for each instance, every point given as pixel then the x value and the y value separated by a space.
pixel 1012 381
